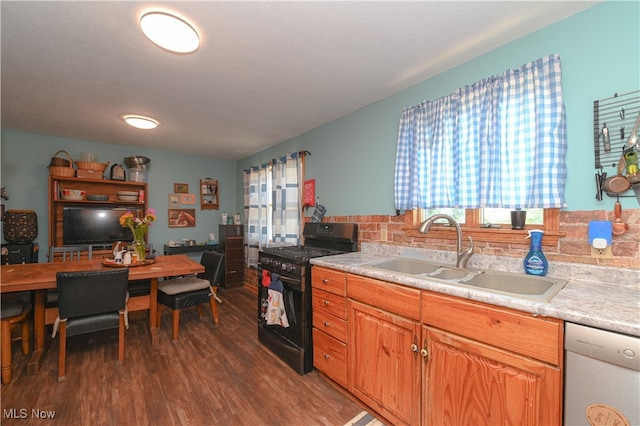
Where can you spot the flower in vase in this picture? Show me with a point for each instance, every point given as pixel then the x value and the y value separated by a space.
pixel 138 226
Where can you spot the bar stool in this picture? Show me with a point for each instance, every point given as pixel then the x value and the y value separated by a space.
pixel 16 308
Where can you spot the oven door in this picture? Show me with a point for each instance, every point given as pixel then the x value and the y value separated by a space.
pixel 296 309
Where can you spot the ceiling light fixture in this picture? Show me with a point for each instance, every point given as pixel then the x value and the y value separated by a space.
pixel 140 122
pixel 170 32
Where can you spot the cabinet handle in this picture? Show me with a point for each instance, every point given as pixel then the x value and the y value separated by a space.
pixel 326 356
pixel 414 347
pixel 326 323
pixel 424 351
pixel 325 281
pixel 326 303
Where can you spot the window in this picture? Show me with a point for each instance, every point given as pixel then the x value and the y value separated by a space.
pixel 484 150
pixel 490 218
pixel 272 203
pixel 499 143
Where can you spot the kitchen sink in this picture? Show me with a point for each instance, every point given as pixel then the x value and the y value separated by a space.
pixel 528 286
pixel 517 285
pixel 407 266
pixel 452 274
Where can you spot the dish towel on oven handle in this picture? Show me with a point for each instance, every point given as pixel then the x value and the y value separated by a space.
pixel 276 313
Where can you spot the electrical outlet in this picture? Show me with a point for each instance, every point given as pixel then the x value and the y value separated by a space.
pixel 604 253
pixel 383 233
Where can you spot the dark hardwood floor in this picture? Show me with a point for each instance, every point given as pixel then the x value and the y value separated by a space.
pixel 214 375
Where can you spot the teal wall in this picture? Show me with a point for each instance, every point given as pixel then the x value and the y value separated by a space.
pixel 25 157
pixel 352 159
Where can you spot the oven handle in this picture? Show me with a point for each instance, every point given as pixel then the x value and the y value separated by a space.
pixel 290 280
pixel 294 281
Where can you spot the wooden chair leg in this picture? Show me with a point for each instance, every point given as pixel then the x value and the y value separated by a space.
pixel 199 309
pixel 6 351
pixel 26 341
pixel 158 315
pixel 175 316
pixel 121 328
pixel 214 310
pixel 62 351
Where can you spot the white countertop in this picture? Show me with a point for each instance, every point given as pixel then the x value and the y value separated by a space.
pixel 613 305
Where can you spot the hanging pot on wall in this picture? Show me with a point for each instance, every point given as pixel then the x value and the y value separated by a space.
pixel 619 227
pixel 616 185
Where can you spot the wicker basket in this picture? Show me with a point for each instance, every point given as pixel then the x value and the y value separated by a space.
pixel 91 165
pixel 60 166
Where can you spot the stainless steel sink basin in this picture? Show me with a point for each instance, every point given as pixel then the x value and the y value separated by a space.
pixel 512 284
pixel 406 266
pixel 541 288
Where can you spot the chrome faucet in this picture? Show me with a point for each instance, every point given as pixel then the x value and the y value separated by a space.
pixel 462 256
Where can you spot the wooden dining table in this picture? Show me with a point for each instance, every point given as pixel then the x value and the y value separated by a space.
pixel 40 277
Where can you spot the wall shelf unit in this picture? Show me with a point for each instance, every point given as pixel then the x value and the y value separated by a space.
pixel 209 198
pixel 105 187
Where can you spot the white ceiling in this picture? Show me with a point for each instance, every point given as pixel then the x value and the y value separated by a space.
pixel 266 71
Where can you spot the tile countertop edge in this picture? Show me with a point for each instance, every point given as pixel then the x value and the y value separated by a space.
pixel 595 304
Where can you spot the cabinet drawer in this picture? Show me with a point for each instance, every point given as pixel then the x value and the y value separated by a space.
pixel 231 253
pixel 330 357
pixel 234 265
pixel 234 243
pixel 516 331
pixel 329 280
pixel 397 299
pixel 332 325
pixel 329 303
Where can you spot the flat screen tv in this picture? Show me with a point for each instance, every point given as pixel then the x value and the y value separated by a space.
pixel 94 225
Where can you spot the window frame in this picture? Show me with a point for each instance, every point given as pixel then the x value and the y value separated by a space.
pixel 472 227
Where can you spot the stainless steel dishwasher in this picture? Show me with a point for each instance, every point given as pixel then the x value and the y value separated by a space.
pixel 602 377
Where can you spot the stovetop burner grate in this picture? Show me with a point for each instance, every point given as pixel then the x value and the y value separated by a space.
pixel 300 253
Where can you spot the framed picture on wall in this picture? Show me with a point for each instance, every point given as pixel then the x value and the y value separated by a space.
pixel 181 188
pixel 182 218
pixel 174 200
pixel 188 198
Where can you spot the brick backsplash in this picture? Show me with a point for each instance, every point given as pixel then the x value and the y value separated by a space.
pixel 572 247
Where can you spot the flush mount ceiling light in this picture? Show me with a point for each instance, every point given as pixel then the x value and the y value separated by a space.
pixel 140 122
pixel 170 32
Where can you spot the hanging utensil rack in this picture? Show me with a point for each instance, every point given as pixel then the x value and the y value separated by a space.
pixel 613 122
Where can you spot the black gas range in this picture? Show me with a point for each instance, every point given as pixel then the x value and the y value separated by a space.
pixel 284 281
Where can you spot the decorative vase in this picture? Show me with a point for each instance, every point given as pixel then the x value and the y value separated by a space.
pixel 140 250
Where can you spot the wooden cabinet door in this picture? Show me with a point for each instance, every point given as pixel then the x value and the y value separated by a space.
pixel 384 371
pixel 469 383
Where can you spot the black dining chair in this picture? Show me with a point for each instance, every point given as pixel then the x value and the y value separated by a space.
pixel 185 292
pixel 63 254
pixel 90 301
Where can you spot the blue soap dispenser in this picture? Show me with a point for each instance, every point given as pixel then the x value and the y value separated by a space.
pixel 535 263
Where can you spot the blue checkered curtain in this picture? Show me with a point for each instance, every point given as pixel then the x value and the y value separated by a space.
pixel 287 176
pixel 256 183
pixel 500 143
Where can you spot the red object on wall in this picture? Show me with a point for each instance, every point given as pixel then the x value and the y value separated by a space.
pixel 309 193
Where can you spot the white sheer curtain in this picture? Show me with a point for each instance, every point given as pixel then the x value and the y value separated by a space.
pixel 500 142
pixel 272 208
